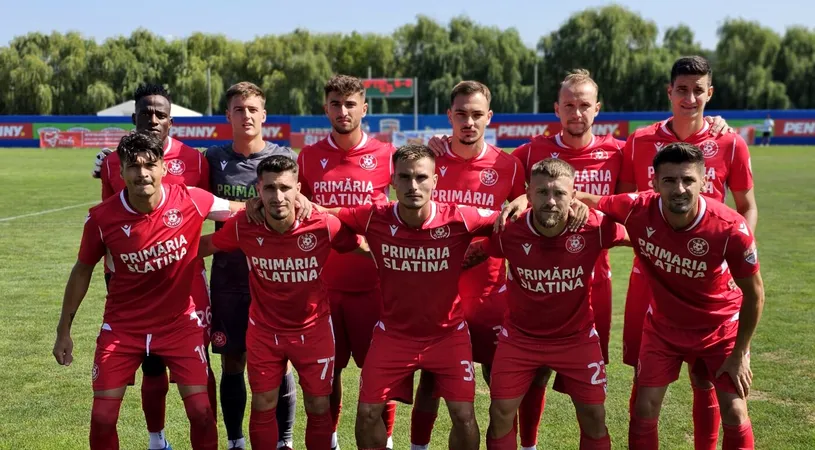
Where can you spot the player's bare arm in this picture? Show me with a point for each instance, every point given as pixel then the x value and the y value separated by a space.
pixel 475 255
pixel 589 200
pixel 206 247
pixel 75 291
pixel 737 365
pixel 624 188
pixel 746 206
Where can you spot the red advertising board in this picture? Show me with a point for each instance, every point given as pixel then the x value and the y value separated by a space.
pixel 795 127
pixel 527 130
pixel 16 131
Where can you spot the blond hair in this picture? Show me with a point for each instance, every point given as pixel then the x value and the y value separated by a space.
pixel 553 168
pixel 577 77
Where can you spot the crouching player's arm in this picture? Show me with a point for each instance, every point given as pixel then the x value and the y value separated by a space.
pixel 741 255
pixel 223 240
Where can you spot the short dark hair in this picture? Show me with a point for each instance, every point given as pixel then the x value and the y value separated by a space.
pixel 553 168
pixel 139 142
pixel 245 89
pixel 678 153
pixel 413 152
pixel 276 164
pixel 148 89
pixel 691 65
pixel 470 87
pixel 345 85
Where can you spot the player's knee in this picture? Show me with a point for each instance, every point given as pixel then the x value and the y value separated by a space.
pixel 592 419
pixel 699 382
pixel 199 411
pixel 264 401
pixel 153 366
pixel 103 417
pixel 233 362
pixel 734 411
pixel 367 415
pixel 646 406
pixel 316 405
pixel 501 416
pixel 462 415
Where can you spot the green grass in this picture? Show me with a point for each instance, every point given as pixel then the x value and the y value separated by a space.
pixel 45 406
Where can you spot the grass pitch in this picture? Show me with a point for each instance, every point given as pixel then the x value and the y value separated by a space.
pixel 46 406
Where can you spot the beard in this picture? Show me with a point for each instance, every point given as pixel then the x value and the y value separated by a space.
pixel 679 205
pixel 349 130
pixel 548 218
pixel 278 214
pixel 585 129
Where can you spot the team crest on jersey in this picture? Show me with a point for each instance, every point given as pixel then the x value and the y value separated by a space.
pixel 442 232
pixel 173 218
pixel 575 243
pixel 367 162
pixel 175 167
pixel 307 242
pixel 94 372
pixel 599 154
pixel 218 339
pixel 698 247
pixel 489 177
pixel 709 148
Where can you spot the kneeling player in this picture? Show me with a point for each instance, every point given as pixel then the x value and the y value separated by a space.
pixel 289 316
pixel 701 262
pixel 550 324
pixel 150 234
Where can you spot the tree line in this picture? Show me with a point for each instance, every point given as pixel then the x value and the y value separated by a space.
pixel 754 67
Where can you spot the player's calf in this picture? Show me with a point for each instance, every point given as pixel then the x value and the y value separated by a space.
pixel 319 426
pixel 370 429
pixel 203 430
pixel 464 432
pixel 104 416
pixel 649 401
pixel 263 432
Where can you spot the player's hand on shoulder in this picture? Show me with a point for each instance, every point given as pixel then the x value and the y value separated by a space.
pixel 63 349
pixel 718 126
pixel 511 211
pixel 97 165
pixel 438 144
pixel 303 206
pixel 578 216
pixel 737 366
pixel 254 211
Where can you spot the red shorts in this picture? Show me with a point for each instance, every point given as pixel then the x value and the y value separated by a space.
pixel 600 299
pixel 393 359
pixel 577 360
pixel 200 297
pixel 484 318
pixel 637 300
pixel 664 348
pixel 119 354
pixel 310 351
pixel 354 315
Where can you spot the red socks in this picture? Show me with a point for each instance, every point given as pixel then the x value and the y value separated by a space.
pixel 263 429
pixel 643 434
pixel 706 419
pixel 421 426
pixel 203 430
pixel 587 443
pixel 738 437
pixel 389 417
pixel 508 442
pixel 529 414
pixel 212 393
pixel 104 416
pixel 318 431
pixel 154 401
pixel 335 410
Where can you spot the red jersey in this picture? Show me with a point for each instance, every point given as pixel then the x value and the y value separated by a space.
pixel 284 268
pixel 152 256
pixel 597 169
pixel 332 177
pixel 727 159
pixel 419 267
pixel 688 269
pixel 185 165
pixel 486 181
pixel 551 276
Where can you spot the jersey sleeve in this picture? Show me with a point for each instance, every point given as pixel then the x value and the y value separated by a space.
pixel 740 175
pixel 492 246
pixel 627 169
pixel 740 251
pixel 203 179
pixel 92 248
pixel 617 207
pixel 208 205
pixel 479 221
pixel 227 238
pixel 305 188
pixel 104 176
pixel 612 233
pixel 356 218
pixel 522 154
pixel 342 238
pixel 518 180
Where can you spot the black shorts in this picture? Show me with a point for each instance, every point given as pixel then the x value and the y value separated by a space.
pixel 230 317
pixel 766 134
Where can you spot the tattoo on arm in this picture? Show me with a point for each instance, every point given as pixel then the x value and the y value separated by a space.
pixel 475 255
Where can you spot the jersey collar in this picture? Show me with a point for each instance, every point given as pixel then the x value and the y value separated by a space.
pixel 450 153
pixel 562 144
pixel 129 209
pixel 426 223
pixel 359 145
pixel 663 127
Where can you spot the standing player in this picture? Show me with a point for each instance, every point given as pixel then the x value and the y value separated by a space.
pixel 233 176
pixel 418 246
pixel 727 166
pixel 289 318
pixel 473 173
pixel 150 234
pixel 701 261
pixel 347 169
pixel 550 323
pixel 185 166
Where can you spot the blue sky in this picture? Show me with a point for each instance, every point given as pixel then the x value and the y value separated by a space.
pixel 532 18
